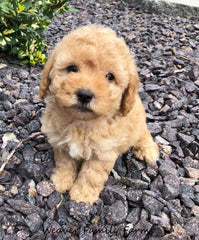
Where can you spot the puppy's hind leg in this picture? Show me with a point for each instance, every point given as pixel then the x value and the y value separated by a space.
pixel 146 149
pixel 65 172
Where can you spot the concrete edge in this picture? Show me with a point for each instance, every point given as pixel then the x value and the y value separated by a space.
pixel 164 7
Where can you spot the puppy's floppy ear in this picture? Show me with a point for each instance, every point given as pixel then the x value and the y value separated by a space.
pixel 45 78
pixel 129 95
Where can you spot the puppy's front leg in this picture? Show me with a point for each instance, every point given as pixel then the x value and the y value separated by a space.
pixel 65 172
pixel 91 178
pixel 146 149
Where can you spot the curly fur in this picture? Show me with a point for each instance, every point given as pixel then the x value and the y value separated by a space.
pixel 86 144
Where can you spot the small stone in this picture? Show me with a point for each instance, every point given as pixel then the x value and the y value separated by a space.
pixel 22 206
pixel 134 183
pixel 14 190
pixel 162 220
pixel 178 234
pixel 39 236
pixel 117 191
pixel 78 209
pixel 2 188
pixel 186 139
pixel 5 176
pixel 22 235
pixel 171 188
pixel 192 173
pixel 190 87
pixel 102 235
pixel 34 222
pixel 157 184
pixel 187 195
pixel 169 134
pixel 196 188
pixel 2 233
pixel 140 230
pixel 167 168
pixel 152 205
pixel 165 109
pixel 160 140
pixel 23 74
pixel 134 195
pixel 195 210
pixel 45 188
pixel 116 213
pixel 151 87
pixel 188 202
pixel 191 226
pixel 54 199
pixel 33 126
pixel 154 128
pixel 189 181
pixel 107 197
pixel 196 26
pixel 157 231
pixel 134 216
pixel 157 105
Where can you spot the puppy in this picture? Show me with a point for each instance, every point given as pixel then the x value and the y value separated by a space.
pixel 93 112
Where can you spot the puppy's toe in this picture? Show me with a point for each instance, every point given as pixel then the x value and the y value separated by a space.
pixel 149 154
pixel 83 195
pixel 62 181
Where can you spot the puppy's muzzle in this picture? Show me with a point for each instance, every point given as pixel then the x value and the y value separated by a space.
pixel 84 96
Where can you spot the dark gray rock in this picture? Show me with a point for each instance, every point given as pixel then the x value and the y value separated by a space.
pixel 22 206
pixel 157 232
pixel 162 220
pixel 117 191
pixel 171 188
pixel 2 233
pixel 54 199
pixel 133 216
pixel 140 230
pixel 77 209
pixel 45 188
pixel 191 226
pixel 33 126
pixel 34 222
pixel 134 195
pixel 135 183
pixel 151 87
pixel 22 234
pixel 152 205
pixel 38 236
pixel 185 139
pixel 116 213
pixel 167 168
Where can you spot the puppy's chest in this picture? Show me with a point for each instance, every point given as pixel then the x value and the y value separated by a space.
pixel 85 144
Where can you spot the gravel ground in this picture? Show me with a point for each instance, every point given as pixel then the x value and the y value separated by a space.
pixel 138 201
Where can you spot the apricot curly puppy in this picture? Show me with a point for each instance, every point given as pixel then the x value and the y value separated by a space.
pixel 93 111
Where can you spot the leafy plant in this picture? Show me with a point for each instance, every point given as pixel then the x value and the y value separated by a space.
pixel 21 25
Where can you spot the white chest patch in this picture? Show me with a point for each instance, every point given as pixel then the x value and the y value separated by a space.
pixel 78 151
pixel 75 150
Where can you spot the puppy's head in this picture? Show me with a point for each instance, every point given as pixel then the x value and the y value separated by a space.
pixel 91 74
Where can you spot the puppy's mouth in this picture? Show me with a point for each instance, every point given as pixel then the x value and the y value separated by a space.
pixel 83 108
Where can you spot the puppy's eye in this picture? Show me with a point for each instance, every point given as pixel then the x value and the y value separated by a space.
pixel 72 68
pixel 110 77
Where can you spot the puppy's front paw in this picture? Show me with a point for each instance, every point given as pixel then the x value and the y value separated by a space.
pixel 84 194
pixel 62 180
pixel 148 153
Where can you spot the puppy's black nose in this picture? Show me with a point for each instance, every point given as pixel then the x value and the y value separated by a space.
pixel 84 96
